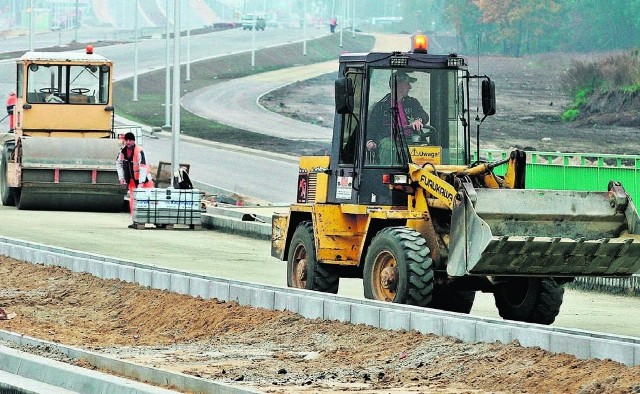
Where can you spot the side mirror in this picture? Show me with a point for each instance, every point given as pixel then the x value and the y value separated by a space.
pixel 488 97
pixel 344 95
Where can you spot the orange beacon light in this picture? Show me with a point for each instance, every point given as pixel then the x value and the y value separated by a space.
pixel 419 42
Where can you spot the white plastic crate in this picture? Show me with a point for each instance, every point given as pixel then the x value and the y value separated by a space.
pixel 167 206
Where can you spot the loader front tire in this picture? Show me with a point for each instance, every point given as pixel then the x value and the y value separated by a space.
pixel 445 299
pixel 303 271
pixel 531 300
pixel 398 267
pixel 6 194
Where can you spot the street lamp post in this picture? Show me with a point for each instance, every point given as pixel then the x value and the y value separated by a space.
pixel 135 51
pixel 253 40
pixel 76 25
pixel 304 28
pixel 344 13
pixel 175 127
pixel 31 26
pixel 353 17
pixel 167 74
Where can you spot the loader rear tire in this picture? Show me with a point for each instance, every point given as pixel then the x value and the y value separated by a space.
pixel 445 299
pixel 303 270
pixel 6 194
pixel 398 267
pixel 531 300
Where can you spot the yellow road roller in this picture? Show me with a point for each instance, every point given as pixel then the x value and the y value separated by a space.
pixel 61 154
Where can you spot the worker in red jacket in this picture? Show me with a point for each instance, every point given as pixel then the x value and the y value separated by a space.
pixel 133 170
pixel 11 103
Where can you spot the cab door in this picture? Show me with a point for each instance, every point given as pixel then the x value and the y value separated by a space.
pixel 355 177
pixel 347 137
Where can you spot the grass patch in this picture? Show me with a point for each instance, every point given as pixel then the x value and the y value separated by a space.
pixel 570 115
pixel 631 88
pixel 149 108
pixel 607 77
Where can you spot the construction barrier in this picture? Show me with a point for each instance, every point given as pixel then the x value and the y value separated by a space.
pixel 575 171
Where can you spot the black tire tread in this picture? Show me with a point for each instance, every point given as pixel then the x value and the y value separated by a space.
pixel 326 278
pixel 460 301
pixel 541 304
pixel 418 263
pixel 550 301
pixel 6 194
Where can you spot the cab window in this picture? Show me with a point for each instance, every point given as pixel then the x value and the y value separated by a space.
pixel 76 84
pixel 351 122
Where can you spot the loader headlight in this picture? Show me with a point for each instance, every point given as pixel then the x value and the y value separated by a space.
pixel 399 61
pixel 400 179
pixel 454 61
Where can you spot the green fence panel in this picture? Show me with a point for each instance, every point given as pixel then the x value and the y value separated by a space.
pixel 627 176
pixel 575 171
pixel 540 176
pixel 583 178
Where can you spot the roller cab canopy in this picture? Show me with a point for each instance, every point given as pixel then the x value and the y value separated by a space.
pixel 61 94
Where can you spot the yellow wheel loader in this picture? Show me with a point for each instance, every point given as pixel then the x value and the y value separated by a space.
pixel 62 153
pixel 400 204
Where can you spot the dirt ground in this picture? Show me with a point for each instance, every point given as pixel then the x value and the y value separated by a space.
pixel 279 352
pixel 529 98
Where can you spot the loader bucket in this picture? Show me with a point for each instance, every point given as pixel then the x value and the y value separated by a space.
pixel 544 233
pixel 72 174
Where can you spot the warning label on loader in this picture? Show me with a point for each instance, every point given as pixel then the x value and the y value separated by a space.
pixel 344 187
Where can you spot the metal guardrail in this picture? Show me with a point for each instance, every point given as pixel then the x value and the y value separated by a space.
pixel 623 286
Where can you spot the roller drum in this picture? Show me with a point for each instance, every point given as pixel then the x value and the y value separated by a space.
pixel 69 174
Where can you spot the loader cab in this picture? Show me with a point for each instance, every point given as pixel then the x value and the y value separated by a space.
pixel 64 95
pixel 378 98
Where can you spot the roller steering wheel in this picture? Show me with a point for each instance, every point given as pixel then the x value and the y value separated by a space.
pixel 49 90
pixel 80 90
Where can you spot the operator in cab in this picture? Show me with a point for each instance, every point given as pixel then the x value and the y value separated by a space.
pixel 411 116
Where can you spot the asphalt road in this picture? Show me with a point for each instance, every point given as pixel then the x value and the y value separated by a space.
pixel 265 176
pixel 233 102
pixel 236 101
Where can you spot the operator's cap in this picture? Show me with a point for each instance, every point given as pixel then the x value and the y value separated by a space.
pixel 402 76
pixel 129 137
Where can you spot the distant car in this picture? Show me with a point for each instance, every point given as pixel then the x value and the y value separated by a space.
pixel 248 21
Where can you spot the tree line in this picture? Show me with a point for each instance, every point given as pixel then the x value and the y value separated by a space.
pixel 519 27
